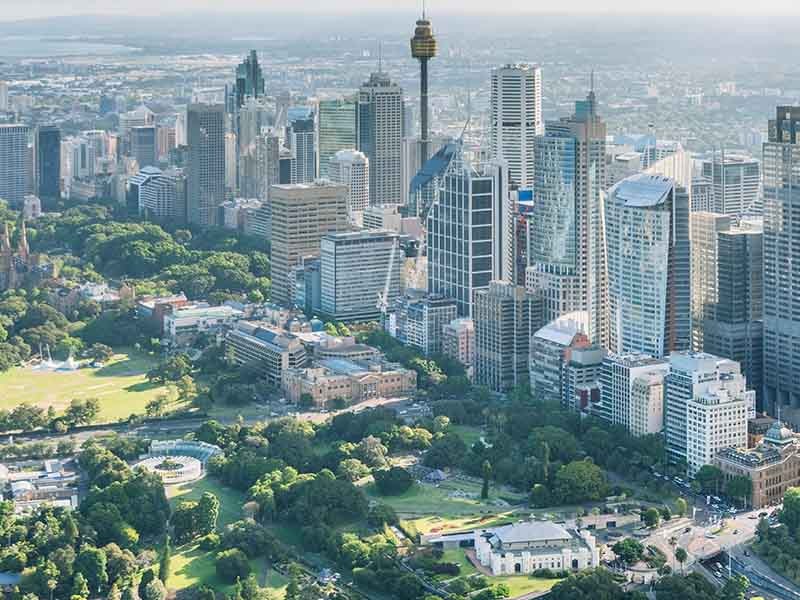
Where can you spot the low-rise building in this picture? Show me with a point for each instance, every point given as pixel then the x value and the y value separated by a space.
pixel 183 326
pixel 266 349
pixel 522 548
pixel 773 466
pixel 155 308
pixel 348 380
pixel 30 485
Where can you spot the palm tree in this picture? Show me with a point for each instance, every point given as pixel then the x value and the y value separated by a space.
pixel 681 555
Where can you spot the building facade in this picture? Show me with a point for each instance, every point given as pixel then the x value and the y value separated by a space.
pixel 351 168
pixel 551 347
pixel 206 163
pixel 48 163
pixel 14 164
pixel 265 349
pixel 515 118
pixel 336 130
pixel 630 393
pixel 649 271
pixel 420 321
pixel 735 184
pixel 458 341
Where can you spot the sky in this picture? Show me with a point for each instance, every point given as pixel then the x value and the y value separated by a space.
pixel 24 9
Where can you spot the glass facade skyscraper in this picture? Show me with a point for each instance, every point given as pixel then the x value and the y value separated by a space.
pixel 48 163
pixel 336 130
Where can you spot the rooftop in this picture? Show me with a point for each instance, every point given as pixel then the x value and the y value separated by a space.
pixel 564 329
pixel 642 190
pixel 532 531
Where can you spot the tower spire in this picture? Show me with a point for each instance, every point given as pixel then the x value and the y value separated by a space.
pixel 380 56
pixel 423 9
pixel 591 81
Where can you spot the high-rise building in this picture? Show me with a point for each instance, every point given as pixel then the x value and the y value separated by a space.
pixel 140 117
pixel 300 139
pixel 360 270
pixel 781 269
pixel 3 96
pixel 423 48
pixel 580 379
pixel 567 239
pixel 206 165
pixel 249 80
pixel 702 196
pixel 421 318
pixel 551 347
pixel 251 120
pixel 165 142
pixel 143 146
pixel 48 163
pixel 735 184
pixel 336 129
pixel 301 215
pixel 706 408
pixel 162 195
pixel 639 409
pixel 516 118
pixel 268 159
pixel 470 233
pixel 727 291
pixel 502 336
pixel 380 136
pixel 458 341
pixel 14 164
pixel 649 270
pixel 351 168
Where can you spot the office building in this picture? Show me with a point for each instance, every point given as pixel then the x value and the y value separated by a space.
pixel 231 162
pixel 470 230
pixel 14 164
pixel 360 271
pixel 165 142
pixel 183 326
pixel 48 163
pixel 300 140
pixel 3 96
pixel 502 336
pixel 249 81
pixel 727 291
pixel 702 196
pixel 706 408
pixel 162 195
pixel 206 163
pixel 336 130
pixel 735 184
pixel 772 466
pixel 649 271
pixel 551 347
pixel 351 168
pixel 252 120
pixel 631 391
pixel 265 350
pixel 143 144
pixel 380 135
pixel 567 239
pixel 458 342
pixel 140 117
pixel 421 319
pixel 301 215
pixel 580 379
pixel 781 269
pixel 515 118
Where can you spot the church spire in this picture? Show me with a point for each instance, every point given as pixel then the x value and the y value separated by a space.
pixel 5 240
pixel 23 250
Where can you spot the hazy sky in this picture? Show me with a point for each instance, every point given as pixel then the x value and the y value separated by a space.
pixel 20 9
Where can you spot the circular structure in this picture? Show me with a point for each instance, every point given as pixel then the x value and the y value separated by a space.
pixel 173 469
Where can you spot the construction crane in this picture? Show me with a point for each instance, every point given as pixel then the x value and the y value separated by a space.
pixel 383 298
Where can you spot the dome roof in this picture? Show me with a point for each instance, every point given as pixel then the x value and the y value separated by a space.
pixel 779 434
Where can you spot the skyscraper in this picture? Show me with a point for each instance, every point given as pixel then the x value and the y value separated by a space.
pixel 649 271
pixel 470 230
pixel 351 168
pixel 380 133
pixel 336 129
pixel 516 118
pixel 48 163
pixel 249 80
pixel 423 48
pixel 356 267
pixel 206 165
pixel 300 139
pixel 735 184
pixel 251 120
pixel 143 144
pixel 502 336
pixel 301 215
pixel 14 163
pixel 781 268
pixel 567 240
pixel 3 96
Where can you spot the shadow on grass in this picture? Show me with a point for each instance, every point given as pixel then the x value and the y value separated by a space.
pixel 199 567
pixel 128 367
pixel 143 386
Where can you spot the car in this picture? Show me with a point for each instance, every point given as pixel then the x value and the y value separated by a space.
pixel 752 516
pixel 735 532
pixel 710 536
pixel 687 530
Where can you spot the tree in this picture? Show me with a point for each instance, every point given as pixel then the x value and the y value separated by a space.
pixel 740 488
pixel 629 551
pixel 92 563
pixel 232 564
pixel 580 481
pixel 540 496
pixel 164 563
pixel 710 479
pixel 735 588
pixel 681 507
pixel 597 584
pixel 652 517
pixel 382 514
pixel 694 586
pixel 100 353
pixel 790 515
pixel 146 578
pixel 486 472
pixel 371 452
pixel 352 469
pixel 155 590
pixel 207 513
pixel 82 411
pixel 80 587
pixel 681 555
pixel 293 587
pixel 393 482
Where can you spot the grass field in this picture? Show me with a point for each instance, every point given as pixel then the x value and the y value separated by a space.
pixel 192 566
pixel 518 585
pixel 120 386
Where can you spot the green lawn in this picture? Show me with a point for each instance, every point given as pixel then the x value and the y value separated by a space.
pixel 120 386
pixel 518 585
pixel 192 566
pixel 457 556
